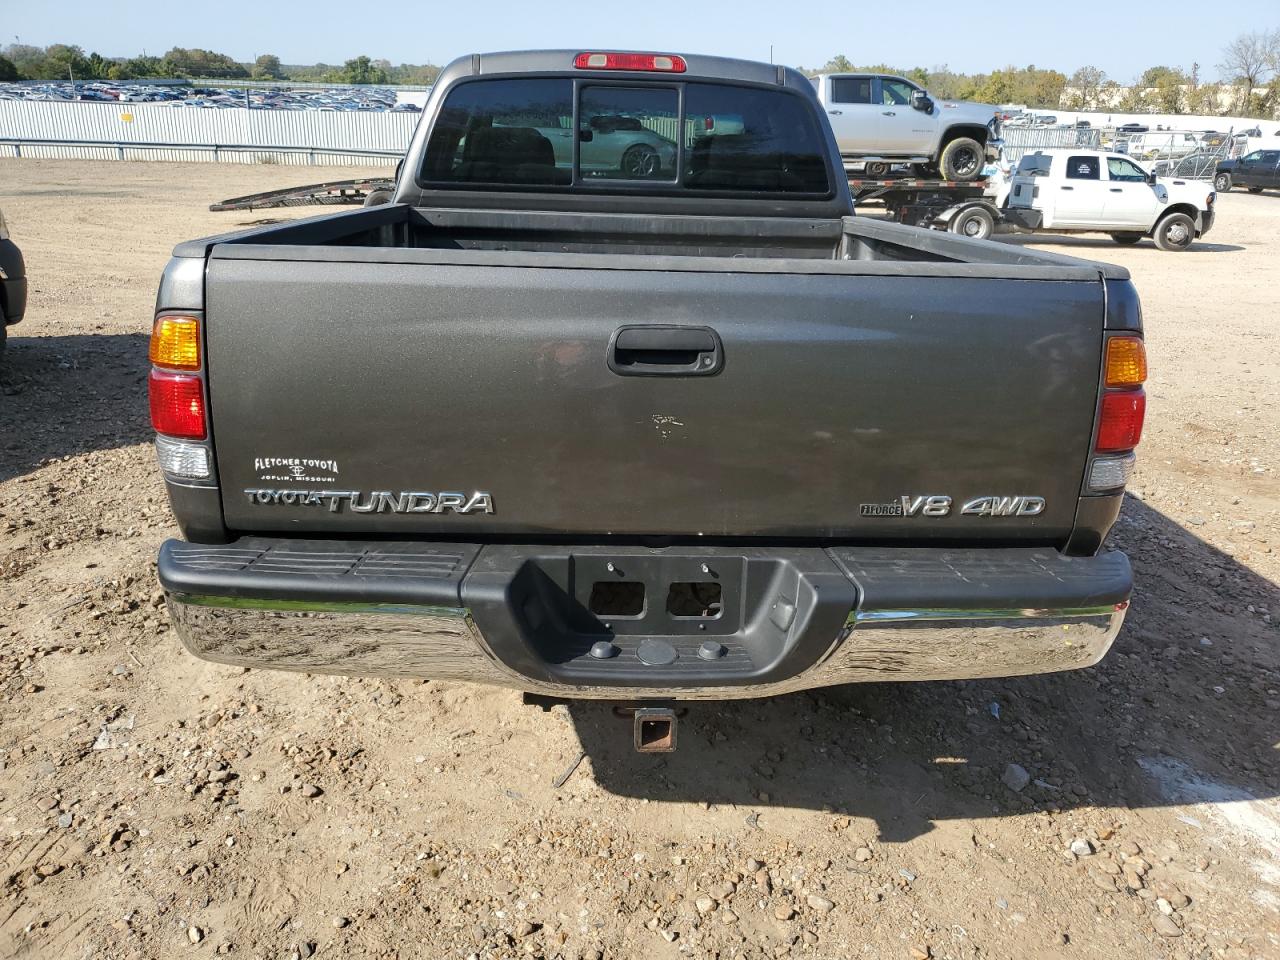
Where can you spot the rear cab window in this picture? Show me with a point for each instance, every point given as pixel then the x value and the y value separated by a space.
pixel 1035 165
pixel 1083 168
pixel 592 135
pixel 850 89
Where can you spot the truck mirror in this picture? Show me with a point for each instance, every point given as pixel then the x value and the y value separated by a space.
pixel 920 101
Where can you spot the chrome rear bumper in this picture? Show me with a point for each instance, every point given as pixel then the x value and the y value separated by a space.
pixel 406 640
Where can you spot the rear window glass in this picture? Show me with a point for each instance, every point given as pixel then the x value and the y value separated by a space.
pixel 504 131
pixel 628 133
pixel 1034 165
pixel 850 89
pixel 521 133
pixel 744 139
pixel 1083 168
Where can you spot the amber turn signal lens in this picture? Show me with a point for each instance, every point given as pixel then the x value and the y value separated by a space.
pixel 1126 362
pixel 175 343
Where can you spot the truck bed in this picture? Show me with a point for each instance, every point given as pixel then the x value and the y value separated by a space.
pixel 398 233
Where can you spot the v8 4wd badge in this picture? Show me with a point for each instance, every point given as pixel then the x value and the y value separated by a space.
pixel 939 505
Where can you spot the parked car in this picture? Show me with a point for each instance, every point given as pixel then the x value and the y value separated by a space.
pixel 1255 171
pixel 614 145
pixel 579 438
pixel 13 283
pixel 1132 128
pixel 1088 191
pixel 879 120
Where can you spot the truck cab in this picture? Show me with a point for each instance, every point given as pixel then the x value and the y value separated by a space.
pixel 880 119
pixel 1089 190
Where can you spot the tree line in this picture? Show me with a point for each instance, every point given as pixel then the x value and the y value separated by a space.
pixel 62 61
pixel 1250 65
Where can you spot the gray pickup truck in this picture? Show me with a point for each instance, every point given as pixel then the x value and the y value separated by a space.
pixel 683 428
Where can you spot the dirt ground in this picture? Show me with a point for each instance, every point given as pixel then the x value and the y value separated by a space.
pixel 152 805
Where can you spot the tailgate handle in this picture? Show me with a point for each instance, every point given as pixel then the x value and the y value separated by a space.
pixel 665 350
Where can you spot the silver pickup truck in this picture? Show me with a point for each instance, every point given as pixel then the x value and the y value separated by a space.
pixel 880 119
pixel 682 429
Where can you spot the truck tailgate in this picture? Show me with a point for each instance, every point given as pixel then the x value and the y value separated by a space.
pixel 338 390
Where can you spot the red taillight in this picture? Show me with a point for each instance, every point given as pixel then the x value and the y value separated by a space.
pixel 710 123
pixel 177 405
pixel 647 62
pixel 1120 426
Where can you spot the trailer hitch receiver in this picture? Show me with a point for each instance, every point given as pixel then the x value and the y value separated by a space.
pixel 654 730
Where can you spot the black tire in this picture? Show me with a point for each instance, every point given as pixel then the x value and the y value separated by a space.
pixel 962 159
pixel 974 222
pixel 1254 189
pixel 376 198
pixel 4 335
pixel 640 161
pixel 876 171
pixel 1175 232
pixel 1222 182
pixel 1126 238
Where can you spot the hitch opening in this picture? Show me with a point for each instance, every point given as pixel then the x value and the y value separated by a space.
pixel 654 730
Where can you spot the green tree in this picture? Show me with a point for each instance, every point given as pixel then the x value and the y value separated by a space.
pixel 946 83
pixel 195 62
pixel 1029 85
pixel 267 67
pixel 144 66
pixel 416 74
pixel 8 71
pixel 1155 76
pixel 98 66
pixel 25 57
pixel 61 61
pixel 362 70
pixel 1085 87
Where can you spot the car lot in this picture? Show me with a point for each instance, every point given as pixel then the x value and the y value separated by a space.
pixel 280 96
pixel 151 804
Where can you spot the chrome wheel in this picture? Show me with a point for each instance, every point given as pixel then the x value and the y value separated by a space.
pixel 640 161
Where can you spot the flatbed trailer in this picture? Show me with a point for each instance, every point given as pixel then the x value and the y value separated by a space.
pixel 956 206
pixel 336 192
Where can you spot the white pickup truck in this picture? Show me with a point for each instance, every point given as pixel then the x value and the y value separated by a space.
pixel 1089 191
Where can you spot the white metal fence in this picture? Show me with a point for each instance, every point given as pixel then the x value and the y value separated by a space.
pixel 1020 140
pixel 161 132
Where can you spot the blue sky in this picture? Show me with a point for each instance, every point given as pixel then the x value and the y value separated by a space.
pixel 1123 38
